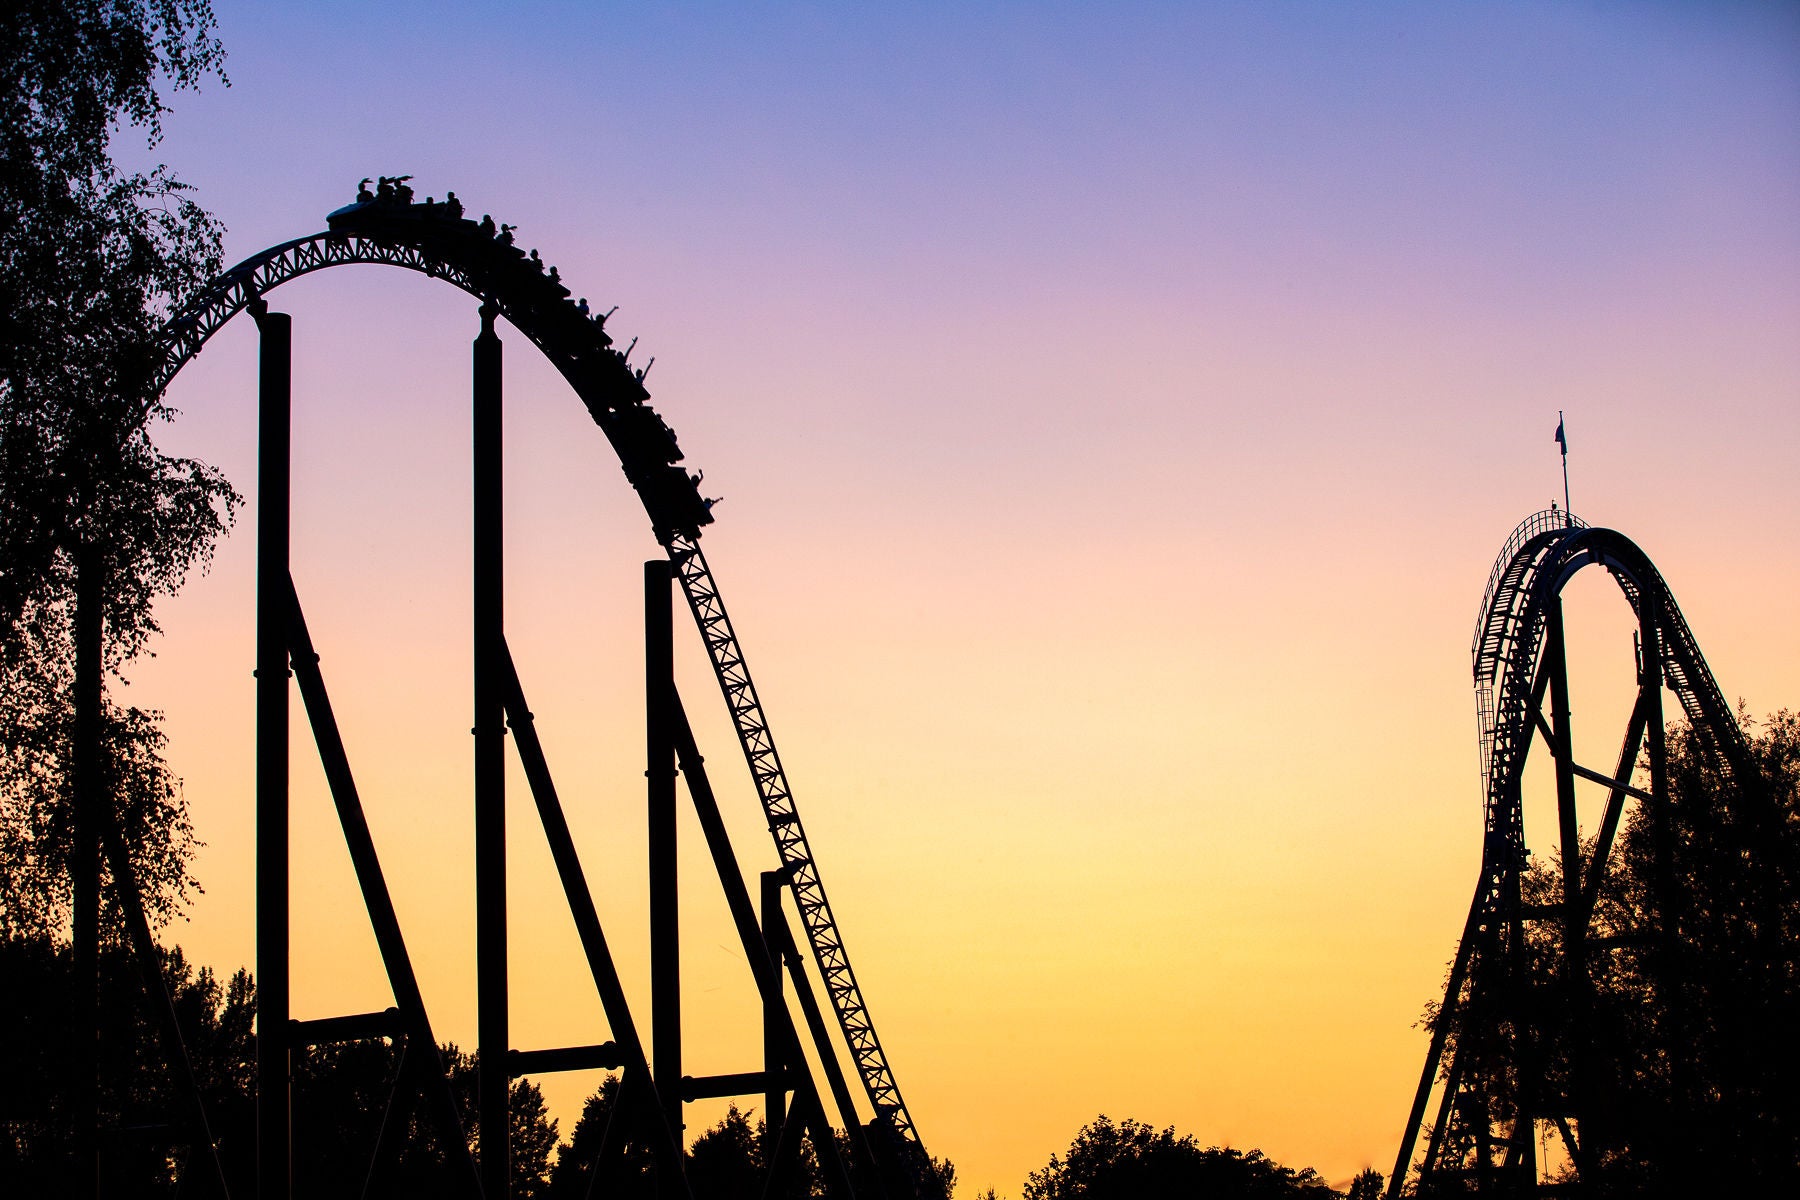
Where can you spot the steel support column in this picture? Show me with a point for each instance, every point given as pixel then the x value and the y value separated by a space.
pixel 1563 747
pixel 274 1123
pixel 492 1036
pixel 1574 913
pixel 1668 925
pixel 775 1095
pixel 665 899
pixel 1662 834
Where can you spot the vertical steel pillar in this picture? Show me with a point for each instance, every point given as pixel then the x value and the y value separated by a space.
pixel 665 900
pixel 274 1132
pixel 1574 915
pixel 1662 833
pixel 1569 831
pixel 774 1061
pixel 492 1034
pixel 84 871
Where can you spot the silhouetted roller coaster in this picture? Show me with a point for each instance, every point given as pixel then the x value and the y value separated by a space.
pixel 385 227
pixel 1495 1087
pixel 1498 1081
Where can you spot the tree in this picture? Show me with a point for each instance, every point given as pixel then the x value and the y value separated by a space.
pixel 1674 1040
pixel 92 260
pixel 632 1172
pixel 351 1097
pixel 1134 1161
pixel 1696 1005
pixel 727 1160
pixel 137 1091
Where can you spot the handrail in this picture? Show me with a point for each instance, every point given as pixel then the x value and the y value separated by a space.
pixel 1537 523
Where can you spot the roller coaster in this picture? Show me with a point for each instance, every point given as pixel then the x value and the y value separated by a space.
pixel 1493 1061
pixel 386 227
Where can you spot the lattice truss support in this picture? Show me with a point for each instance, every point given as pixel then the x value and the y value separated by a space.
pixel 796 854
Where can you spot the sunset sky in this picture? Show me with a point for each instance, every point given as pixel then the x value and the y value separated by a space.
pixel 1117 412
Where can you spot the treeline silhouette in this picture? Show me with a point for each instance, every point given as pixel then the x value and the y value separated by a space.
pixel 345 1100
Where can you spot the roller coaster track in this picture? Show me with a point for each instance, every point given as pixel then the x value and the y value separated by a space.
pixel 790 836
pixel 1516 657
pixel 444 246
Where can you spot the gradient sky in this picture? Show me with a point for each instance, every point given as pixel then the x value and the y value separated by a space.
pixel 1117 413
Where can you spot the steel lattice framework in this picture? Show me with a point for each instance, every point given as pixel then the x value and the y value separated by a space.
pixel 1519 666
pixel 485 264
pixel 789 834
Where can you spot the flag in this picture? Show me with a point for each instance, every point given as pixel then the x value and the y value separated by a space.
pixel 1560 439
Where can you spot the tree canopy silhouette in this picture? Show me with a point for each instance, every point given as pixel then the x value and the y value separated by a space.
pixel 92 259
pixel 144 1154
pixel 1695 1024
pixel 1133 1161
pixel 1676 1043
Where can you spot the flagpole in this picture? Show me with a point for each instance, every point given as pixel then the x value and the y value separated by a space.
pixel 1562 439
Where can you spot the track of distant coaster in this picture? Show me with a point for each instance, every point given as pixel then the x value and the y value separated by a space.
pixel 437 241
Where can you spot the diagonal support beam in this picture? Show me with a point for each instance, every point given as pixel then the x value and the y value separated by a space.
pixel 377 901
pixel 1615 782
pixel 1439 1035
pixel 162 1005
pixel 1615 802
pixel 821 1035
pixel 743 915
pixel 581 906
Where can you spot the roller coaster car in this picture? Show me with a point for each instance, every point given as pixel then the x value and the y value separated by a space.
pixel 426 224
pixel 672 498
pixel 365 213
pixel 642 436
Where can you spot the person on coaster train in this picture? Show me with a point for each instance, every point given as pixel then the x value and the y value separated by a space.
pixel 363 194
pixel 487 225
pixel 453 206
pixel 394 188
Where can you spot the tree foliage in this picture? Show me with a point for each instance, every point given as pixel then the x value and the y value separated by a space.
pixel 1133 1161
pixel 631 1171
pixel 1673 1041
pixel 92 260
pixel 728 1160
pixel 347 1095
pixel 1695 1019
pixel 138 1095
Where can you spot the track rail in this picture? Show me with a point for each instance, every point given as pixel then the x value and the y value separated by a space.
pixel 444 246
